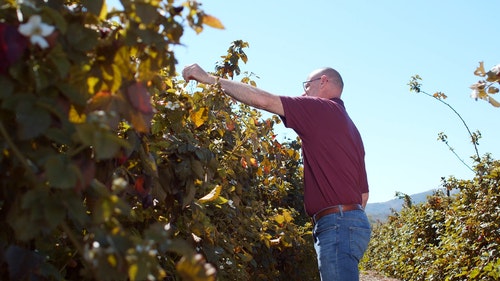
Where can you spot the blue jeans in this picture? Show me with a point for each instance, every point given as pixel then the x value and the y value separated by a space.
pixel 340 241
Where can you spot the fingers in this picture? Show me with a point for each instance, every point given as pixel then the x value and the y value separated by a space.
pixel 189 72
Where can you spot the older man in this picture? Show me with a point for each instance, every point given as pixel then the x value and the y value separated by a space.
pixel 335 181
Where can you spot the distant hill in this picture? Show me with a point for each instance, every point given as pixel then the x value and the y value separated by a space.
pixel 380 211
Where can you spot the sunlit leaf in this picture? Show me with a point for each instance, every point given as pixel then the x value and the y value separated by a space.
pixel 439 95
pixel 132 271
pixel 75 117
pixel 266 166
pixel 214 194
pixel 199 117
pixel 91 84
pixel 279 219
pixel 122 61
pixel 492 90
pixel 112 76
pixel 212 21
pixel 287 216
pixel 195 269
pixel 480 71
pixel 112 260
pixel 221 200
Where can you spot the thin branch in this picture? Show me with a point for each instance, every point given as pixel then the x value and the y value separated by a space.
pixel 459 116
pixel 16 151
pixel 459 158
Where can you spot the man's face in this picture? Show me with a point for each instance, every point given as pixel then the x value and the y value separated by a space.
pixel 311 86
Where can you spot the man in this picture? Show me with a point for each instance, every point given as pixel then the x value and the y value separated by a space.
pixel 335 182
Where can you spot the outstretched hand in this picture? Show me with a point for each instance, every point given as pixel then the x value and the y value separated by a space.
pixel 195 72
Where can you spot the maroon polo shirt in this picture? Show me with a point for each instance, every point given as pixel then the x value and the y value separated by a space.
pixel 332 150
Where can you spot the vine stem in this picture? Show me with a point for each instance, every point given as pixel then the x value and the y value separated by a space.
pixel 459 116
pixel 16 151
pixel 72 237
pixel 461 160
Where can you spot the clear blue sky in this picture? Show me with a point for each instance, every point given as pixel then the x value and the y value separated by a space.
pixel 376 46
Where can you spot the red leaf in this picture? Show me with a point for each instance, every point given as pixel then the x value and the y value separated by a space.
pixel 100 101
pixel 12 46
pixel 142 185
pixel 138 96
pixel 87 169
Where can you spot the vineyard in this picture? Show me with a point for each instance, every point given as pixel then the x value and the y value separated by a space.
pixel 114 168
pixel 446 238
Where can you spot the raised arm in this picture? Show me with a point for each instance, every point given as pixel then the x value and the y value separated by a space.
pixel 244 93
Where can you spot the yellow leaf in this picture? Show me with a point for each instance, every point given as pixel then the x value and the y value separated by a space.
pixel 212 21
pixel 91 83
pixel 214 194
pixel 117 79
pixel 132 271
pixel 287 216
pixel 480 70
pixel 492 90
pixel 195 269
pixel 253 162
pixel 199 117
pixel 279 219
pixel 112 260
pixel 75 117
pixel 104 12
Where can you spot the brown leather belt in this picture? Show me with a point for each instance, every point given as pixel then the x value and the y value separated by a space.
pixel 335 209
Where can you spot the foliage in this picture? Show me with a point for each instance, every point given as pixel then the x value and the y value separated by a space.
pixel 487 86
pixel 447 237
pixel 111 170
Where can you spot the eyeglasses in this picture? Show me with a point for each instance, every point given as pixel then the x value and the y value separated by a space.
pixel 305 84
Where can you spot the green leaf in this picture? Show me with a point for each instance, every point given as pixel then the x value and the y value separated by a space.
pixel 94 6
pixel 59 61
pixel 81 38
pixel 21 262
pixel 105 143
pixel 6 86
pixel 76 209
pixel 58 136
pixel 146 12
pixel 54 211
pixel 32 120
pixel 61 172
pixel 57 18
